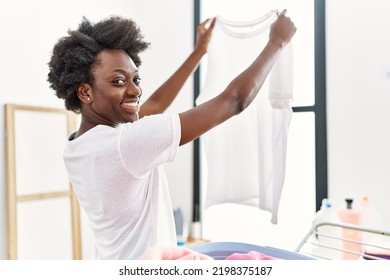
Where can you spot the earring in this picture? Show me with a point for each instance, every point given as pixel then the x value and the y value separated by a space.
pixel 88 98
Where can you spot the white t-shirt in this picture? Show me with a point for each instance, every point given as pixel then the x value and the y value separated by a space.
pixel 246 155
pixel 118 177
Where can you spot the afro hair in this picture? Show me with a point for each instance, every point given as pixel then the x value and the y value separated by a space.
pixel 75 55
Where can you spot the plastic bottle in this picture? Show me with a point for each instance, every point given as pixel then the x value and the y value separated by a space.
pixel 370 218
pixel 327 243
pixel 349 215
pixel 181 227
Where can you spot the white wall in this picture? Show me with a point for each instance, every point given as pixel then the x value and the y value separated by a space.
pixel 358 98
pixel 29 29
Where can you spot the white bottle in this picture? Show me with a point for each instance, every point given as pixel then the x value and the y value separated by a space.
pixel 327 241
pixel 370 218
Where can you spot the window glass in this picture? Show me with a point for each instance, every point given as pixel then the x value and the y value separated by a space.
pixel 230 222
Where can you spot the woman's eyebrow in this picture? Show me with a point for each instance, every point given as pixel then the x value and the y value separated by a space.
pixel 123 71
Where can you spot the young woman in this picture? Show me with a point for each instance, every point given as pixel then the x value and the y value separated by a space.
pixel 114 160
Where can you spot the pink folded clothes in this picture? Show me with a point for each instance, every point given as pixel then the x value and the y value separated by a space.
pixel 251 255
pixel 381 251
pixel 172 253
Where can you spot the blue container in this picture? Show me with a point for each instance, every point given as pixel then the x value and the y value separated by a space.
pixel 222 250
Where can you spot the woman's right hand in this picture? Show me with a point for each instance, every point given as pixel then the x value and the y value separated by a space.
pixel 204 32
pixel 282 30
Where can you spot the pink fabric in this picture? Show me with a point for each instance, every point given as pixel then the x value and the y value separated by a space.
pixel 251 255
pixel 172 253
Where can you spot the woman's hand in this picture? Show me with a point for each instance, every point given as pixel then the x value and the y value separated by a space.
pixel 204 34
pixel 282 30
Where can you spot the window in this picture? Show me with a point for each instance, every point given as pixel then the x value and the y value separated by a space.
pixel 305 184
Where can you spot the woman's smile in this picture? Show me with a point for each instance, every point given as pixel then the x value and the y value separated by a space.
pixel 130 106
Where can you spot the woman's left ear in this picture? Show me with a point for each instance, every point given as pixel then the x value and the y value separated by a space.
pixel 84 92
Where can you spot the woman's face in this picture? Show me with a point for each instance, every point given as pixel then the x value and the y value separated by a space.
pixel 115 90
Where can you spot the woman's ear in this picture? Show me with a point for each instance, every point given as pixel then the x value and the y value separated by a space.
pixel 84 92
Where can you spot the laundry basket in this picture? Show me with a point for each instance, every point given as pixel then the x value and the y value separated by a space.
pixel 222 250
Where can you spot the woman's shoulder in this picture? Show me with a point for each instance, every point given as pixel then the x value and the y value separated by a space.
pixel 98 130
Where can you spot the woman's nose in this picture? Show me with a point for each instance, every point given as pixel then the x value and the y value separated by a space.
pixel 133 90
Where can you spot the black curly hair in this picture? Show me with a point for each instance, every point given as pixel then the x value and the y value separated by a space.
pixel 75 55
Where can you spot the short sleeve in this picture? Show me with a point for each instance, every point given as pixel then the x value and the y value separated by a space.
pixel 149 142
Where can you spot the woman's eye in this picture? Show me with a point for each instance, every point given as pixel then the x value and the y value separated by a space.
pixel 137 81
pixel 119 81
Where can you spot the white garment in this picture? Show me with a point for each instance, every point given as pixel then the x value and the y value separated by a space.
pixel 246 155
pixel 118 177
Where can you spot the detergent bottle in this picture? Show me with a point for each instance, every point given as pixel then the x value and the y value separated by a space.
pixel 327 241
pixel 370 218
pixel 351 237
